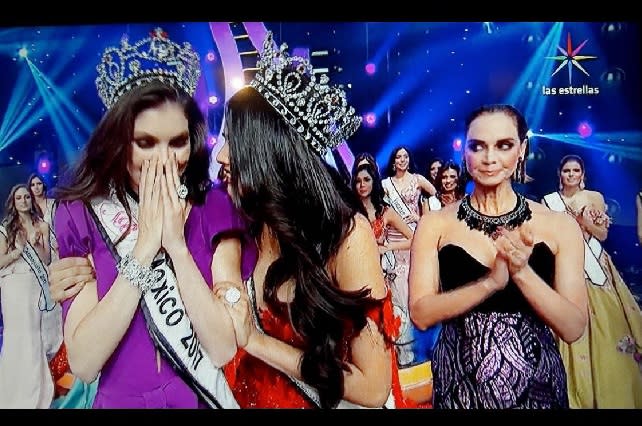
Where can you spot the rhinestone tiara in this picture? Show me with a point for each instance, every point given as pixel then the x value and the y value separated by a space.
pixel 153 58
pixel 318 111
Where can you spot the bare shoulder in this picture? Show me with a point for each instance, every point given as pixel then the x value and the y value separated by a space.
pixel 551 219
pixel 359 236
pixel 594 196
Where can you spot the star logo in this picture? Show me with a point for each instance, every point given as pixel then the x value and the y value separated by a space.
pixel 570 58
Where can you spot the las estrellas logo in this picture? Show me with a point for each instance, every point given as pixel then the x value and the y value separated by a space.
pixel 570 58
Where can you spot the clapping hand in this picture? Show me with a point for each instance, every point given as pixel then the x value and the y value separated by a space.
pixel 515 246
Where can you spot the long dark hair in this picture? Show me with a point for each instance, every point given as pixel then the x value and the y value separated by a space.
pixel 364 156
pixel 11 220
pixel 279 181
pixel 105 157
pixel 376 196
pixel 44 191
pixel 390 167
pixel 461 187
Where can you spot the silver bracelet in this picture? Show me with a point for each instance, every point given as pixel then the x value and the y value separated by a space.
pixel 142 277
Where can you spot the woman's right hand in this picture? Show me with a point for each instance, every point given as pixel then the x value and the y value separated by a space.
pixel 69 275
pixel 498 274
pixel 150 211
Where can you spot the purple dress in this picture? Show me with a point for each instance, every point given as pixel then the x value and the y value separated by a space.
pixel 130 377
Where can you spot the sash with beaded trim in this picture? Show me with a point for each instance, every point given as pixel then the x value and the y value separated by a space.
pixel 308 391
pixel 394 198
pixel 592 248
pixel 163 309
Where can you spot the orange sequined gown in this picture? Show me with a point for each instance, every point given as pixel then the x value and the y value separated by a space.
pixel 255 384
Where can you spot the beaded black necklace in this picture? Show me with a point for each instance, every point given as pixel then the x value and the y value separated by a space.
pixel 490 224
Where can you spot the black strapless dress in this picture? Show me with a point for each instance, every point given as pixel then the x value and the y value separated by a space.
pixel 500 354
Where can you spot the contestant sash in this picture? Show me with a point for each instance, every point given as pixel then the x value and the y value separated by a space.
pixel 592 248
pixel 165 314
pixel 434 203
pixel 397 203
pixel 29 254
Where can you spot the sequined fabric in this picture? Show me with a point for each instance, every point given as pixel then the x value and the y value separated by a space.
pixel 500 354
pixel 255 384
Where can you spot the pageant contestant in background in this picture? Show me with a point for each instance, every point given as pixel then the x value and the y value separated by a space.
pixel 449 185
pixel 603 367
pixel 25 379
pixel 494 269
pixel 314 322
pixel 141 203
pixel 402 190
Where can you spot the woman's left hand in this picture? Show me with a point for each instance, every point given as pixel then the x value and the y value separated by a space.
pixel 174 208
pixel 238 310
pixel 516 247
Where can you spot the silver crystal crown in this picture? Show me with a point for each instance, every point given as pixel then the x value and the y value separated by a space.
pixel 318 111
pixel 153 58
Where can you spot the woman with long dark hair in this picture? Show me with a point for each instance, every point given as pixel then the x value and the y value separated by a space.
pixel 25 380
pixel 140 202
pixel 313 321
pixel 450 187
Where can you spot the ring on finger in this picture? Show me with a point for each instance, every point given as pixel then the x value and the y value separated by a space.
pixel 232 295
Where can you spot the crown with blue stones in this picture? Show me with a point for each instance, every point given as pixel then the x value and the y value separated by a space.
pixel 317 110
pixel 153 58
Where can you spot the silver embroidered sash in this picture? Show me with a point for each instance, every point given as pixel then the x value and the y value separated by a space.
pixel 46 302
pixel 306 389
pixel 394 199
pixel 165 314
pixel 592 248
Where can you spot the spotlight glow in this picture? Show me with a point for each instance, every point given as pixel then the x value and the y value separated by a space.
pixel 457 144
pixel 23 52
pixel 584 129
pixel 370 119
pixel 213 100
pixel 371 68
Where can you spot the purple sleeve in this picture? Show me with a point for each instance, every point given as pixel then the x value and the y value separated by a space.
pixel 221 217
pixel 71 225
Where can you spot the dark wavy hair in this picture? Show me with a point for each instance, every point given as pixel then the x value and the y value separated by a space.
pixel 11 220
pixel 571 157
pixel 363 156
pixel 105 157
pixel 42 179
pixel 279 181
pixel 389 171
pixel 430 163
pixel 44 190
pixel 376 196
pixel 461 186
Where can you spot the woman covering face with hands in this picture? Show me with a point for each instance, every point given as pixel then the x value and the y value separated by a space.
pixel 159 235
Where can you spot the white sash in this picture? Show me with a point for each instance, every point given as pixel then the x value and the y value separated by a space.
pixel 434 203
pixel 310 392
pixel 394 199
pixel 45 303
pixel 165 314
pixel 592 248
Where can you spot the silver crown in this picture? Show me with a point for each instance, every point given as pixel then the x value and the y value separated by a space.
pixel 153 58
pixel 318 111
